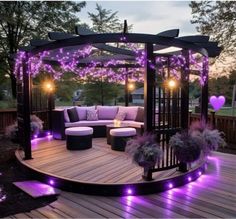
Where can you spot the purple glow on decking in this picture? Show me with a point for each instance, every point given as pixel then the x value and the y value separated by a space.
pixel 35 136
pixel 51 182
pixel 170 185
pixel 129 191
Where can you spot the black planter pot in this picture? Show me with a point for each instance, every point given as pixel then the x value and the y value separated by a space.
pixel 183 167
pixel 147 173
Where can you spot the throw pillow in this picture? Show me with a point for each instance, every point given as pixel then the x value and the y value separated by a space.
pixel 73 115
pixel 140 115
pixel 120 115
pixel 92 115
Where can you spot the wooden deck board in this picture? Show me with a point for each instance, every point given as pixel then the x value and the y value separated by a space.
pixel 98 164
pixel 213 195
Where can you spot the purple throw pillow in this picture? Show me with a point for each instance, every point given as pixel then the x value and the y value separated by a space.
pixel 92 115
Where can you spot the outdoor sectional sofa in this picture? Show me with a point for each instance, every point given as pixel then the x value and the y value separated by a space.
pixel 132 116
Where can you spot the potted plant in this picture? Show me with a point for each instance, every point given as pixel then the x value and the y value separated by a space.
pixel 212 138
pixel 11 131
pixel 187 148
pixel 200 139
pixel 146 152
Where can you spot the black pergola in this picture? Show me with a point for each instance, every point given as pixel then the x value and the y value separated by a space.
pixel 166 111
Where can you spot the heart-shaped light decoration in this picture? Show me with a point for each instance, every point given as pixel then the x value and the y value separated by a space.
pixel 217 102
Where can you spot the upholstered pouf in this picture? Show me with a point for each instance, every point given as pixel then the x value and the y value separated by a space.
pixel 79 138
pixel 120 136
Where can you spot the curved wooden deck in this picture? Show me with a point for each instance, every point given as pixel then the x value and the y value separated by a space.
pixel 98 170
pixel 211 196
pixel 99 164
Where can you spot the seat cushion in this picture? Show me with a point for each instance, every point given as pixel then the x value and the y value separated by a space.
pixel 133 124
pixel 123 132
pixel 107 112
pixel 88 123
pixel 79 131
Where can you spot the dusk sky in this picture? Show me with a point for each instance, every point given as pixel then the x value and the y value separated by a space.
pixel 148 16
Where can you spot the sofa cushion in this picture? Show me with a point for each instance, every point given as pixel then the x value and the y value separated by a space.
pixel 120 115
pixel 107 112
pixel 92 115
pixel 73 115
pixel 133 124
pixel 88 123
pixel 140 115
pixel 131 111
pixel 66 117
pixel 82 111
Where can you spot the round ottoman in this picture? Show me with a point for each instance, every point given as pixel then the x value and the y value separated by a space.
pixel 120 136
pixel 79 138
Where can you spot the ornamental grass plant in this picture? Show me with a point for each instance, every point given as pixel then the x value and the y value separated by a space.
pixel 199 139
pixel 145 151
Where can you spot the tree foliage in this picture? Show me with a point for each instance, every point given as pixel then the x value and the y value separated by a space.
pixel 223 86
pixel 218 20
pixel 21 21
pixel 105 21
pixel 101 92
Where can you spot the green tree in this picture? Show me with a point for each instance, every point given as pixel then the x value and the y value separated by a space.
pixel 21 21
pixel 105 21
pixel 218 20
pixel 101 92
pixel 194 89
pixel 222 86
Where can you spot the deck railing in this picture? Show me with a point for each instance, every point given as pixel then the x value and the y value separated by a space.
pixel 8 117
pixel 226 124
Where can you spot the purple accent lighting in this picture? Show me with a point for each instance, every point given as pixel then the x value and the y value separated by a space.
pixel 35 136
pixel 48 133
pixel 189 179
pixel 199 173
pixel 129 191
pixel 51 182
pixel 170 185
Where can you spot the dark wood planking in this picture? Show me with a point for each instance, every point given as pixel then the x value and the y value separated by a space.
pixel 211 196
pixel 99 164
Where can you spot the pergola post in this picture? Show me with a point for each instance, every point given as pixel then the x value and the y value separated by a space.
pixel 126 90
pixel 149 82
pixel 26 138
pixel 185 91
pixel 204 93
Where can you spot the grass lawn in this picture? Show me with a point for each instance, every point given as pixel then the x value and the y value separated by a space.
pixel 227 111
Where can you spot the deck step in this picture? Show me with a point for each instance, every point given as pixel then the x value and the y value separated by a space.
pixel 36 189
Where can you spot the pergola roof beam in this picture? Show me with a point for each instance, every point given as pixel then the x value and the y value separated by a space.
pixel 106 58
pixel 195 38
pixel 81 31
pixel 130 37
pixel 60 35
pixel 39 42
pixel 169 33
